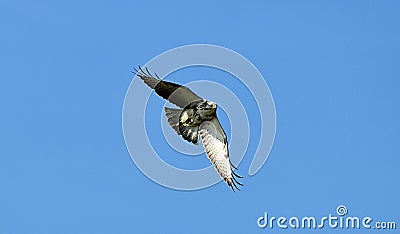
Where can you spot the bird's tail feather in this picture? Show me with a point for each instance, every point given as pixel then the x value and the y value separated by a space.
pixel 173 118
pixel 188 133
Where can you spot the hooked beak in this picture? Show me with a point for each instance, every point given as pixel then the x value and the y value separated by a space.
pixel 213 104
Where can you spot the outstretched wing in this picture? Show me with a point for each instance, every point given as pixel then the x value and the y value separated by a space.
pixel 216 147
pixel 174 93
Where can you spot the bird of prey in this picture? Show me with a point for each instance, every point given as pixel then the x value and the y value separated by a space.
pixel 195 117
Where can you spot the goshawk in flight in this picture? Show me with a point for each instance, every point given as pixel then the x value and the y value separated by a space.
pixel 195 117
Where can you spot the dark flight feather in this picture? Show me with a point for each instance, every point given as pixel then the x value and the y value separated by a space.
pixel 174 93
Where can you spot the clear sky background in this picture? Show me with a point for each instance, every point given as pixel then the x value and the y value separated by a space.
pixel 332 67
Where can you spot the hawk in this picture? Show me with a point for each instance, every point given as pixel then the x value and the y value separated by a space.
pixel 195 117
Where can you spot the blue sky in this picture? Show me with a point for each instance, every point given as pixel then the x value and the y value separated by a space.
pixel 332 67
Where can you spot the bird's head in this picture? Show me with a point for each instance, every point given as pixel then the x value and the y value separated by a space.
pixel 208 108
pixel 211 105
